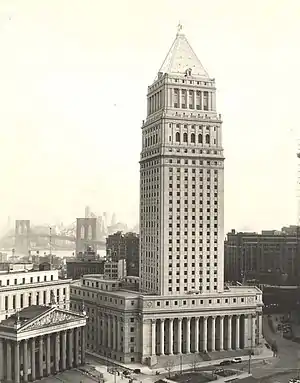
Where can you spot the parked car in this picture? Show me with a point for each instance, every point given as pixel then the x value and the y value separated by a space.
pixel 236 360
pixel 225 363
pixel 294 380
pixel 137 371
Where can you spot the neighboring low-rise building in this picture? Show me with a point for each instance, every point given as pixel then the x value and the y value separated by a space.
pixel 76 268
pixel 124 246
pixel 23 287
pixel 115 270
pixel 87 262
pixel 271 257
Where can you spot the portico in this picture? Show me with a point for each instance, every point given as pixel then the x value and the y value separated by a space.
pixel 40 341
pixel 184 335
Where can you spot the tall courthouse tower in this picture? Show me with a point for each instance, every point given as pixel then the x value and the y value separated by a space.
pixel 182 179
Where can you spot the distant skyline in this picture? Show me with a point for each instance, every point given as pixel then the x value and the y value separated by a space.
pixel 73 84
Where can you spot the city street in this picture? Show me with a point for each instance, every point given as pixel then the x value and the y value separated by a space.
pixel 284 366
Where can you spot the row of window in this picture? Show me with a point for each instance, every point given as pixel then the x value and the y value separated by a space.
pixel 40 298
pixel 152 140
pixel 19 281
pixel 152 164
pixel 192 139
pixel 147 176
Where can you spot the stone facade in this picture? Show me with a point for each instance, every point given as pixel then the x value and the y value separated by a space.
pixel 20 289
pixel 40 341
pixel 130 327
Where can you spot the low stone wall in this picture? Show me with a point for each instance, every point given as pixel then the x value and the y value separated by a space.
pixel 234 377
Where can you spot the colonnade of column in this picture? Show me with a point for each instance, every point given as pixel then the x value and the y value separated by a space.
pixel 199 334
pixel 195 100
pixel 110 335
pixel 41 356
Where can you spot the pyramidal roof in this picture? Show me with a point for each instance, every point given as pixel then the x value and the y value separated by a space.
pixel 181 57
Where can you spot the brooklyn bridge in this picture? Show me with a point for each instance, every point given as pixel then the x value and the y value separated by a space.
pixel 25 237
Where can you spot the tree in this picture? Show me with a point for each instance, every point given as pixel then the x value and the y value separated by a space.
pixel 195 362
pixel 169 366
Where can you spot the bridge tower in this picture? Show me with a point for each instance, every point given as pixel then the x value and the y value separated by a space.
pixel 22 236
pixel 86 234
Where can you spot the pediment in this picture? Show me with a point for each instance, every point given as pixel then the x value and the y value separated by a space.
pixel 51 318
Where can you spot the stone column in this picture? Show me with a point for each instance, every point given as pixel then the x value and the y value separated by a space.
pixel 213 101
pixel 204 332
pixel 246 331
pixel 114 333
pixel 196 334
pixel 33 366
pixel 213 334
pixel 171 335
pixel 25 361
pixel 99 327
pixel 76 347
pixel 83 345
pixel 162 336
pixel 108 331
pixel 2 359
pixel 17 362
pixel 48 355
pixel 8 361
pixel 179 334
pixel 209 100
pixel 70 348
pixel 63 348
pixel 260 334
pixel 104 333
pixel 229 333
pixel 221 333
pixel 119 335
pixel 41 354
pixel 153 337
pixel 237 332
pixel 188 335
pixel 253 330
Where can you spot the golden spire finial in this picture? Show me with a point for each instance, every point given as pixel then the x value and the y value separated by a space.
pixel 179 28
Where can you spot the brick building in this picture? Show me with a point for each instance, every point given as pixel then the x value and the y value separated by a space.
pixel 271 257
pixel 124 246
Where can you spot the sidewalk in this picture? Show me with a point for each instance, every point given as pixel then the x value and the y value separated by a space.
pixel 266 354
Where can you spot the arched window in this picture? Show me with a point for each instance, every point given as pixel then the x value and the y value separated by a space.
pixel 146 142
pixel 184 137
pixel 207 139
pixel 193 140
pixel 150 140
pixel 200 139
pixel 177 137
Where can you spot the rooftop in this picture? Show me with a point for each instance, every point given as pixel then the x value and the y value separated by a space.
pixel 25 315
pixel 181 58
pixel 40 317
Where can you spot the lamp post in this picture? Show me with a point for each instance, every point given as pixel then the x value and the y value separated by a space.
pixel 249 361
pixel 250 353
pixel 180 364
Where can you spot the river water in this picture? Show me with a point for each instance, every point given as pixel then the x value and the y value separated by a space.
pixel 58 253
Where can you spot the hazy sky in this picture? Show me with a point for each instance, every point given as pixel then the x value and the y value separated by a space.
pixel 73 83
